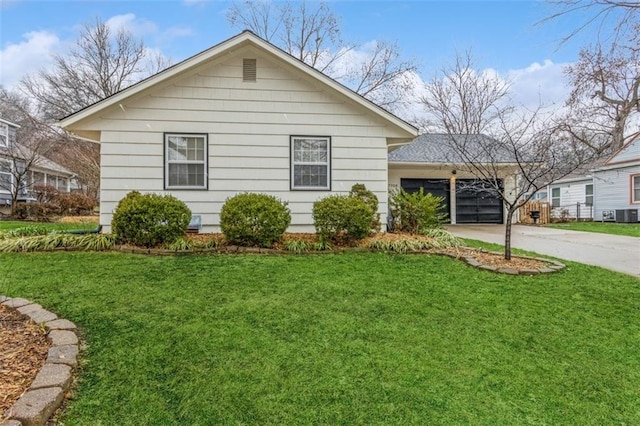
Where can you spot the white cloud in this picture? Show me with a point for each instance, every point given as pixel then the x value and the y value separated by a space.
pixel 27 57
pixel 129 22
pixel 539 84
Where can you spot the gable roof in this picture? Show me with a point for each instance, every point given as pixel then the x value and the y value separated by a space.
pixel 628 153
pixel 439 148
pixel 242 39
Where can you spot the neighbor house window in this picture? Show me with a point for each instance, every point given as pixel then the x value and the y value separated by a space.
pixel 588 194
pixel 635 189
pixel 310 162
pixel 555 197
pixel 5 175
pixel 185 161
pixel 4 134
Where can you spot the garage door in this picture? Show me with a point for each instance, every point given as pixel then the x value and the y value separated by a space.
pixel 476 202
pixel 437 187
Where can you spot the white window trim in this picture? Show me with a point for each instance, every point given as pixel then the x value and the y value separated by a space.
pixel 9 173
pixel 205 161
pixel 293 163
pixel 587 196
pixel 555 198
pixel 4 131
pixel 633 189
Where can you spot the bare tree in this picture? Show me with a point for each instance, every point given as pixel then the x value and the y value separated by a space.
pixel 311 32
pixel 27 148
pixel 492 141
pixel 98 65
pixel 603 103
pixel 609 18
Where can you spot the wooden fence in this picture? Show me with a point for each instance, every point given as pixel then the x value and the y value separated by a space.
pixel 543 207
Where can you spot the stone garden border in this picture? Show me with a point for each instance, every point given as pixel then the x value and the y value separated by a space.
pixel 46 394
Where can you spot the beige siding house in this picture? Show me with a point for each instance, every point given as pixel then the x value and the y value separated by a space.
pixel 242 116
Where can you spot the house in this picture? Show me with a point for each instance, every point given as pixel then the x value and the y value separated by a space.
pixel 40 172
pixel 431 162
pixel 616 185
pixel 242 116
pixel 572 197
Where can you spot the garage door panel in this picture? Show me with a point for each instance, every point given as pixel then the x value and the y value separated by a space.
pixel 476 203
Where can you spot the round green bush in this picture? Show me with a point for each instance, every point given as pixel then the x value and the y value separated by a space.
pixel 249 219
pixel 360 190
pixel 342 217
pixel 150 219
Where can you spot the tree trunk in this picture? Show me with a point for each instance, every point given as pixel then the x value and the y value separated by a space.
pixel 507 235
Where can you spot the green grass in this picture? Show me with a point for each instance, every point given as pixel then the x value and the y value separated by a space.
pixel 8 225
pixel 628 229
pixel 352 338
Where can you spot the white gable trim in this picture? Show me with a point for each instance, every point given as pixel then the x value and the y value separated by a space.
pixel 241 39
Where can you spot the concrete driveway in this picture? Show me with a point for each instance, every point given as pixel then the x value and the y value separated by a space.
pixel 618 253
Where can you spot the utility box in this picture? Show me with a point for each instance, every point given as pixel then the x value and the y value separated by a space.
pixel 627 216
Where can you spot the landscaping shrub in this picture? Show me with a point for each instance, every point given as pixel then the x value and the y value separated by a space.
pixel 40 212
pixel 150 219
pixel 74 203
pixel 254 219
pixel 342 217
pixel 360 190
pixel 415 213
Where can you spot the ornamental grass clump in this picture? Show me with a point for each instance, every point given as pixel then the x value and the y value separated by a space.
pixel 251 220
pixel 148 220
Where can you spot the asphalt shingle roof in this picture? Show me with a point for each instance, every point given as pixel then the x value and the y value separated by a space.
pixel 439 148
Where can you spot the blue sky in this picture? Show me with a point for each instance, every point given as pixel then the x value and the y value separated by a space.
pixel 503 35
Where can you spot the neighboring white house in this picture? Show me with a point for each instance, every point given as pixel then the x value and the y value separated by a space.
pixel 41 172
pixel 242 116
pixel 611 184
pixel 430 163
pixel 616 185
pixel 572 197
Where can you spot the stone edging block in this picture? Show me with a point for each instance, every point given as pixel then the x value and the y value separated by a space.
pixel 550 265
pixel 46 394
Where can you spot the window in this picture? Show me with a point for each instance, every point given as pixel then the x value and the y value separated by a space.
pixel 6 178
pixel 588 194
pixel 555 197
pixel 4 134
pixel 635 188
pixel 185 161
pixel 310 162
pixel 61 184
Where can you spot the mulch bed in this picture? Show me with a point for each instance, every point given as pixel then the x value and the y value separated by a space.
pixel 23 352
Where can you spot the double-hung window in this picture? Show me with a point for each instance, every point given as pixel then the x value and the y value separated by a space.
pixel 635 189
pixel 588 194
pixel 555 197
pixel 185 161
pixel 6 177
pixel 310 162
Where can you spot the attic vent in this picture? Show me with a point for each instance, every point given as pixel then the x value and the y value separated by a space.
pixel 249 69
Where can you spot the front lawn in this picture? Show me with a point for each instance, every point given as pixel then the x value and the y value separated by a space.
pixel 8 225
pixel 628 229
pixel 352 338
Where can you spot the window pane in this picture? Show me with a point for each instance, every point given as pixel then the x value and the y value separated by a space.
pixel 186 175
pixel 310 176
pixel 5 181
pixel 177 148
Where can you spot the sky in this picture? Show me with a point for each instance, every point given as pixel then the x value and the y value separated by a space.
pixel 505 36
